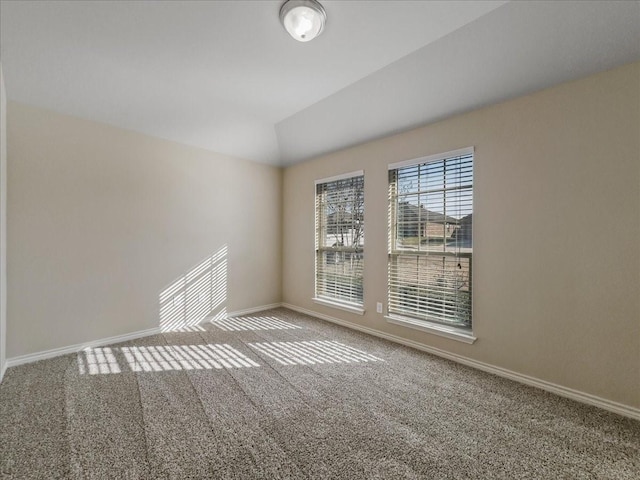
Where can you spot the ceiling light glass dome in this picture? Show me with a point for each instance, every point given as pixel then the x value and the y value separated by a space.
pixel 303 19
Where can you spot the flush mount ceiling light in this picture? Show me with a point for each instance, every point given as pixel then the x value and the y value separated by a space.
pixel 303 19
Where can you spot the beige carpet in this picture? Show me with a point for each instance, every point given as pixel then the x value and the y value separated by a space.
pixel 282 395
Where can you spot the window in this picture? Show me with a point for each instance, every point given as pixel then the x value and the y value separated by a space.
pixel 430 240
pixel 340 240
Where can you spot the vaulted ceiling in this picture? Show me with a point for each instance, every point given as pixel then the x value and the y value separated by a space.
pixel 225 76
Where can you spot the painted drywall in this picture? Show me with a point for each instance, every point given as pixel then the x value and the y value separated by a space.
pixel 556 232
pixel 3 224
pixel 107 226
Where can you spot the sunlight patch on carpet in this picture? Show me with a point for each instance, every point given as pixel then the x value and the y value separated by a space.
pixel 95 361
pixel 161 358
pixel 312 352
pixel 237 324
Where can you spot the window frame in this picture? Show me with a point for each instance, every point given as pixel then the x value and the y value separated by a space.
pixel 422 320
pixel 321 297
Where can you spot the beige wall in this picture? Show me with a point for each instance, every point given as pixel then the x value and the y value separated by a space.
pixel 556 232
pixel 103 220
pixel 3 224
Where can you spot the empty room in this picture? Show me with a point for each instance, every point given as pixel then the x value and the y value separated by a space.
pixel 319 239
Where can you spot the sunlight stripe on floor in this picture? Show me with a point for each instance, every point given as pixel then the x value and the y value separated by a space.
pixel 312 352
pixel 161 358
pixel 238 324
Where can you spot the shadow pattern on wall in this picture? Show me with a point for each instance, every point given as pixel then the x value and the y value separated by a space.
pixel 196 295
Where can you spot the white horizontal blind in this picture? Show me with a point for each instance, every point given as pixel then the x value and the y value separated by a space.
pixel 430 239
pixel 340 239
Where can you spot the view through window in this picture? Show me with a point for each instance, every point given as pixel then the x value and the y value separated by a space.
pixel 430 238
pixel 340 239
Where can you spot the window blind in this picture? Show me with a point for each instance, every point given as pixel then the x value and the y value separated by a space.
pixel 340 239
pixel 430 239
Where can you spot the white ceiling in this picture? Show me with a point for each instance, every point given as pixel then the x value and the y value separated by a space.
pixel 225 76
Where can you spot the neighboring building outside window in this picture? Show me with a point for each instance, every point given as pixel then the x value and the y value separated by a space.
pixel 340 239
pixel 430 239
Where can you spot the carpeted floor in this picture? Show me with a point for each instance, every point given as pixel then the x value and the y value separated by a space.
pixel 282 395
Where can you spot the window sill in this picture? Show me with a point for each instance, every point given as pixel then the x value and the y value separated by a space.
pixel 452 333
pixel 342 306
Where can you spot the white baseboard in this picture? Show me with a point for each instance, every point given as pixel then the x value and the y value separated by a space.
pixel 576 395
pixel 3 369
pixel 56 352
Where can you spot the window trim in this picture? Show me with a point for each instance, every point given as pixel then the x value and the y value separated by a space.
pixel 433 158
pixel 335 178
pixel 424 324
pixel 319 299
pixel 346 306
pixel 460 334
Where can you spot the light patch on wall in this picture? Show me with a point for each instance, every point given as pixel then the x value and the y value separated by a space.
pixel 195 295
pixel 312 352
pixel 161 358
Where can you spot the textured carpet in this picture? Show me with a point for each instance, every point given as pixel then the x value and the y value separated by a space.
pixel 282 395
